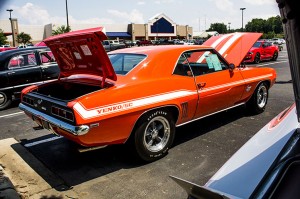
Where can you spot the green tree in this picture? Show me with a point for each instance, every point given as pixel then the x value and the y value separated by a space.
pixel 274 24
pixel 3 39
pixel 60 30
pixel 271 27
pixel 219 27
pixel 23 38
pixel 256 25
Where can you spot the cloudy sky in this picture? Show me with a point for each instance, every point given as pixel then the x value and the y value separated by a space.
pixel 196 13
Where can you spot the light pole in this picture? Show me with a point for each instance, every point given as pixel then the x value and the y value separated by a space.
pixel 229 26
pixel 12 27
pixel 156 28
pixel 242 9
pixel 67 14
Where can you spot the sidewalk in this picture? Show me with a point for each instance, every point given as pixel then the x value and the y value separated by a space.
pixel 18 179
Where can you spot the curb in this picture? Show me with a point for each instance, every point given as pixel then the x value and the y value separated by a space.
pixel 7 189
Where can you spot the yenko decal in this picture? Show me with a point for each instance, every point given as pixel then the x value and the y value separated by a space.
pixel 114 108
pixel 127 105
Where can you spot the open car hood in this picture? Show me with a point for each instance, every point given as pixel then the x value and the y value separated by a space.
pixel 234 46
pixel 81 52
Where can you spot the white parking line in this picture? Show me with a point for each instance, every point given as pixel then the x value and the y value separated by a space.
pixel 43 141
pixel 270 63
pixel 12 114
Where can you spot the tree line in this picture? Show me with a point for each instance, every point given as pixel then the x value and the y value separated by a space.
pixel 271 27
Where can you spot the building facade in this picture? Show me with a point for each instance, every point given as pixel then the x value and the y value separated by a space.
pixel 158 27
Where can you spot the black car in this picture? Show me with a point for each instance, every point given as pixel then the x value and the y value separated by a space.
pixel 20 68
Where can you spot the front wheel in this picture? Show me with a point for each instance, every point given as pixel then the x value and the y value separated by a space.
pixel 259 99
pixel 257 58
pixel 154 135
pixel 5 100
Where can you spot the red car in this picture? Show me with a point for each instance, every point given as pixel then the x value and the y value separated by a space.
pixel 262 50
pixel 143 43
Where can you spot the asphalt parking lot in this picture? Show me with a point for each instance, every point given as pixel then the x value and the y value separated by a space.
pixel 42 165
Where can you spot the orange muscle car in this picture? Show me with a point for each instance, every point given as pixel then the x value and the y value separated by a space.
pixel 141 94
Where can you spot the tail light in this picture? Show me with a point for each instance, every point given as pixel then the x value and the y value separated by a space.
pixel 28 100
pixel 62 113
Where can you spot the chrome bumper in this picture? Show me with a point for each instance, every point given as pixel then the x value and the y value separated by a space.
pixel 51 121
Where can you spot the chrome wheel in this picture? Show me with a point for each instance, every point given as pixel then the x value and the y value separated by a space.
pixel 262 96
pixel 5 100
pixel 157 134
pixel 2 99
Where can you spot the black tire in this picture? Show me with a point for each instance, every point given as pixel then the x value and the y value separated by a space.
pixel 154 135
pixel 275 56
pixel 256 58
pixel 5 100
pixel 259 99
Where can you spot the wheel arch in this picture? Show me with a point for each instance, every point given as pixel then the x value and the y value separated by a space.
pixel 173 109
pixel 268 83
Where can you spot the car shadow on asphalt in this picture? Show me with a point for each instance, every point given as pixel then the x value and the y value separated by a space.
pixel 208 124
pixel 69 167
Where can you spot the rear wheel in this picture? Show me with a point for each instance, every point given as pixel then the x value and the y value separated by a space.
pixel 257 58
pixel 154 135
pixel 259 99
pixel 275 56
pixel 5 100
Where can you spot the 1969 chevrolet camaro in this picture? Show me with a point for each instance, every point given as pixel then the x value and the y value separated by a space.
pixel 141 94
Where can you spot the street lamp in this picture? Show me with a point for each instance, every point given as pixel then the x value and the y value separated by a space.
pixel 242 9
pixel 12 27
pixel 229 26
pixel 156 28
pixel 67 14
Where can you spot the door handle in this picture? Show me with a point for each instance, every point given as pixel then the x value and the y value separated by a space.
pixel 200 85
pixel 9 73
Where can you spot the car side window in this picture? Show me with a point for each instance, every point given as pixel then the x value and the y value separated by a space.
pixel 47 57
pixel 182 68
pixel 202 62
pixel 23 60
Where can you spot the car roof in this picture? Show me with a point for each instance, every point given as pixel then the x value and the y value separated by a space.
pixel 5 54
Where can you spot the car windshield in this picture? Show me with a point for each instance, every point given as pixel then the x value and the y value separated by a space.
pixel 123 63
pixel 257 44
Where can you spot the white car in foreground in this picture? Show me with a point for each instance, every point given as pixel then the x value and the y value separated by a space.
pixel 268 165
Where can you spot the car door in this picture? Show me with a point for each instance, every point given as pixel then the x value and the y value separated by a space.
pixel 49 67
pixel 218 86
pixel 267 48
pixel 23 70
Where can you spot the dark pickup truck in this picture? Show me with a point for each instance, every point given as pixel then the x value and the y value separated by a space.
pixel 23 67
pixel 110 45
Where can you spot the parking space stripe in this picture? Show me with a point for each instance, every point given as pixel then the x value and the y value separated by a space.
pixel 42 141
pixel 270 63
pixel 12 114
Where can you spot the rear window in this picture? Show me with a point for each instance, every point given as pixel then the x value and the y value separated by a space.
pixel 123 63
